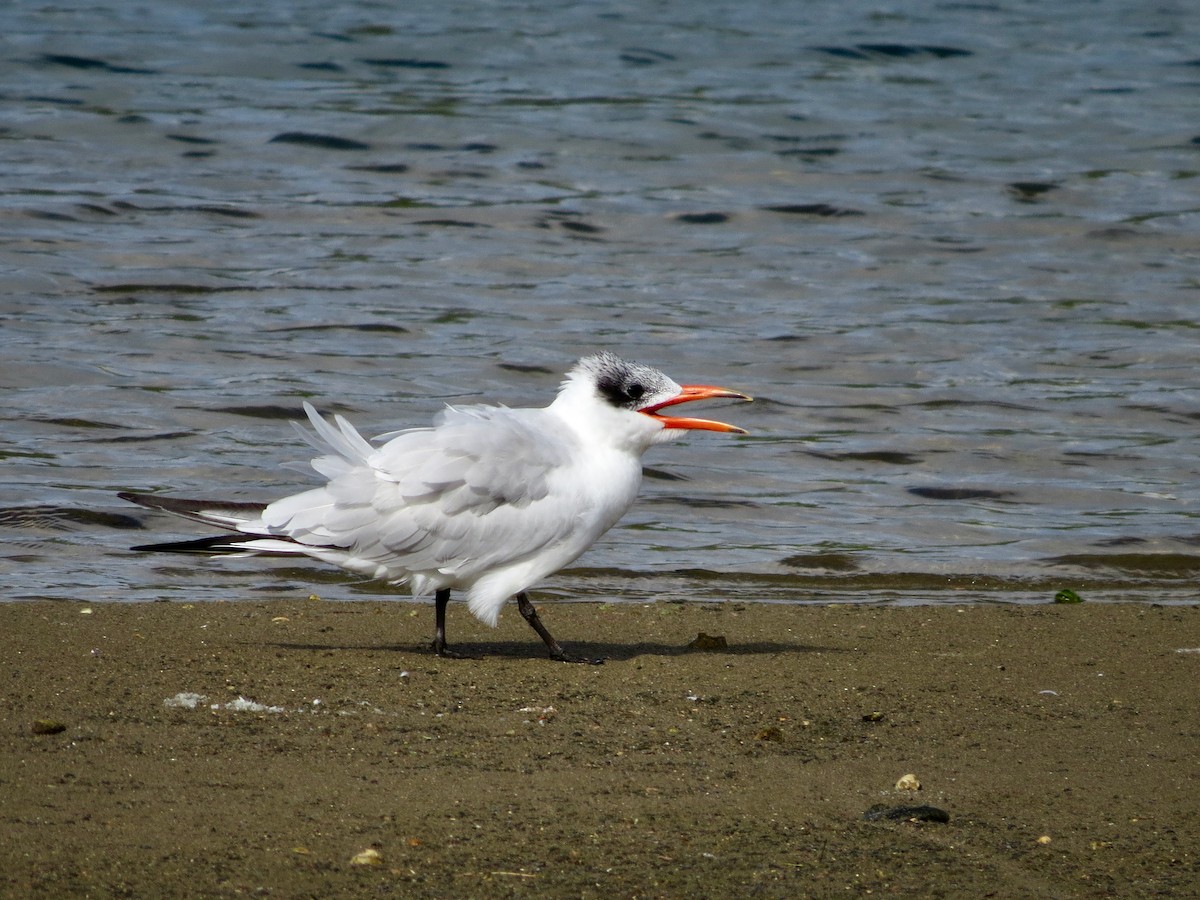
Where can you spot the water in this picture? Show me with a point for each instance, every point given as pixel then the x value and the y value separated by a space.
pixel 952 251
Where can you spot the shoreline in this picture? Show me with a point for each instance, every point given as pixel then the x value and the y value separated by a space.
pixel 1060 741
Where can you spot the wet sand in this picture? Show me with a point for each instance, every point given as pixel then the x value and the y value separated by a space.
pixel 1061 741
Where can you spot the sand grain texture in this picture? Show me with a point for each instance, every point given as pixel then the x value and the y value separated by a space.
pixel 1061 741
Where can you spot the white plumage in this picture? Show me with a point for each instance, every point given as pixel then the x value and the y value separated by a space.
pixel 488 500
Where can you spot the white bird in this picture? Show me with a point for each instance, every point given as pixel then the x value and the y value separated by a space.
pixel 489 500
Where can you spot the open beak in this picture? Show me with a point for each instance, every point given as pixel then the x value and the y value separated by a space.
pixel 687 394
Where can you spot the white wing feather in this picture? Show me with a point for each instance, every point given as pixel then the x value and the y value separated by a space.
pixel 437 507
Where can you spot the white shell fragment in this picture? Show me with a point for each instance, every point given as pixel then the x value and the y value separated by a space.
pixel 368 857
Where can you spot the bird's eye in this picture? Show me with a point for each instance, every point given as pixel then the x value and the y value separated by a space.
pixel 635 391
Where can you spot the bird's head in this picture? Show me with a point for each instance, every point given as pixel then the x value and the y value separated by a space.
pixel 633 387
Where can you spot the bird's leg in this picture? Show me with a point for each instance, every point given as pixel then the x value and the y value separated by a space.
pixel 529 613
pixel 441 599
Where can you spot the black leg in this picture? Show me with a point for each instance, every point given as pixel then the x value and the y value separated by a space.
pixel 441 599
pixel 529 613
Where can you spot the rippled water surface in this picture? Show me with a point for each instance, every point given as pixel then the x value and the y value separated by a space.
pixel 952 251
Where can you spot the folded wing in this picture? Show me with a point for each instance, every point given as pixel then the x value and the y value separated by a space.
pixel 432 505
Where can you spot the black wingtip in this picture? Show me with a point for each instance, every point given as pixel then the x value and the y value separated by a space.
pixel 209 546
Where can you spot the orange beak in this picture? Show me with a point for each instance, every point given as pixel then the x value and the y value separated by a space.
pixel 692 392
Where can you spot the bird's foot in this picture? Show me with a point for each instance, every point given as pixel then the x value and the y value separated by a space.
pixel 560 656
pixel 446 653
pixel 529 613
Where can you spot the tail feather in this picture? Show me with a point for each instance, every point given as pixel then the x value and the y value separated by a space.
pixel 219 513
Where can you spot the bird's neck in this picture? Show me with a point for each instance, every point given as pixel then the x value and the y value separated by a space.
pixel 597 423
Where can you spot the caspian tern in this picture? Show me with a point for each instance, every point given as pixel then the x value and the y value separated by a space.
pixel 489 500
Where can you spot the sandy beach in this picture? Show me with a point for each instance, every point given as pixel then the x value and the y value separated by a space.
pixel 316 749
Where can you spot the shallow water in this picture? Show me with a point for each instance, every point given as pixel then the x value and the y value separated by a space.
pixel 952 252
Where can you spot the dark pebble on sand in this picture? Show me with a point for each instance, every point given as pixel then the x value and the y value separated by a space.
pixel 881 812
pixel 704 641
